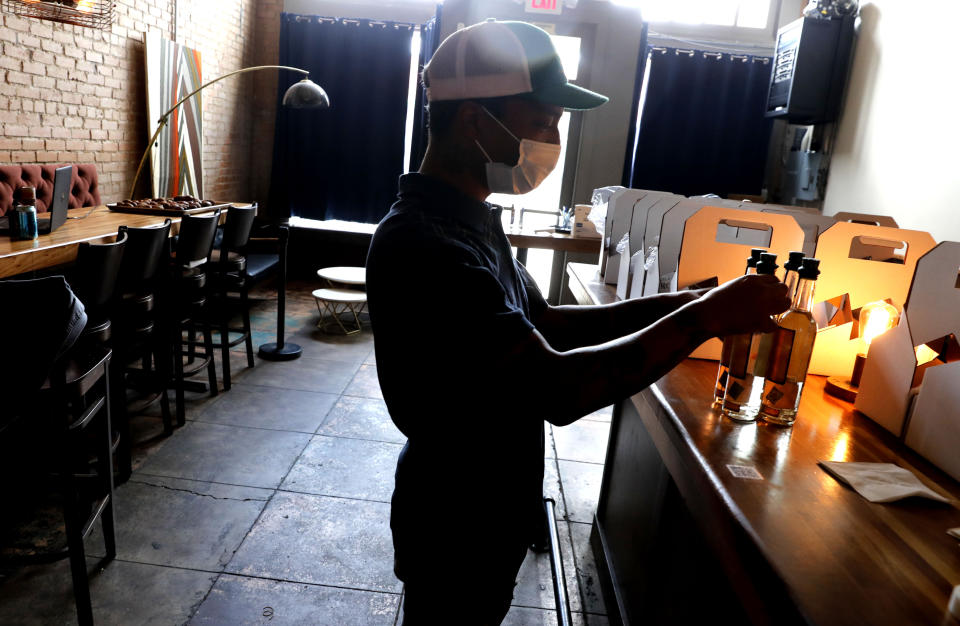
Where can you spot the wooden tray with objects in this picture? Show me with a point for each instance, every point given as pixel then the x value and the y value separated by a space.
pixel 170 207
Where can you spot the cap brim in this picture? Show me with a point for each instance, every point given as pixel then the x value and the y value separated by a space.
pixel 568 96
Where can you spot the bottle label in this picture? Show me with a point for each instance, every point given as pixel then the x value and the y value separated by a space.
pixel 781 349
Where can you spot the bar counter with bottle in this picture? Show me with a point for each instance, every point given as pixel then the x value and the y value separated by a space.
pixel 702 519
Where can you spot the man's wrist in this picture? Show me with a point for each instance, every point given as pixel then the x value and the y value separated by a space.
pixel 694 319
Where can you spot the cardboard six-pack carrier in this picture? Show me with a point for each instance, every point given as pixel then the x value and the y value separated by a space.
pixel 655 242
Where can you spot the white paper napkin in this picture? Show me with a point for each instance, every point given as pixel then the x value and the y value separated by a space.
pixel 880 482
pixel 954 532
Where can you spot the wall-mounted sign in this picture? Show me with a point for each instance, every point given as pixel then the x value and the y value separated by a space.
pixel 553 7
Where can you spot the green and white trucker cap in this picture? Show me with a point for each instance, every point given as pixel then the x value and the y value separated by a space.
pixel 496 59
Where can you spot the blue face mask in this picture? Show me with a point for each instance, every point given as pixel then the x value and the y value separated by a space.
pixel 537 160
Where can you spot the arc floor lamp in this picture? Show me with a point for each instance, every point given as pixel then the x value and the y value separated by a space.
pixel 304 94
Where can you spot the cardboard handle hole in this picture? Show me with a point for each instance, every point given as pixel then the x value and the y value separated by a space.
pixel 745 233
pixel 878 249
pixel 958 280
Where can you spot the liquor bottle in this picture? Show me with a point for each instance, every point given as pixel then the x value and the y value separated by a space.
pixel 791 269
pixel 741 398
pixel 790 352
pixel 23 218
pixel 721 385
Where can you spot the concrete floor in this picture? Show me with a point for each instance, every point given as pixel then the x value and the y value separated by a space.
pixel 271 505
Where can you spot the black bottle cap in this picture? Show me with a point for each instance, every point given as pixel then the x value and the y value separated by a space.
pixel 794 262
pixel 26 195
pixel 810 268
pixel 768 264
pixel 755 257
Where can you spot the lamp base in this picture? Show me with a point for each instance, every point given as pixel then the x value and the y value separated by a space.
pixel 276 352
pixel 841 388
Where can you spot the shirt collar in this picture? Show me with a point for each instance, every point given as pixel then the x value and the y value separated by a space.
pixel 442 199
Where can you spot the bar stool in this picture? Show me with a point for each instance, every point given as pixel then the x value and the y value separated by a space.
pixel 334 300
pixel 185 299
pixel 66 423
pixel 228 271
pixel 138 336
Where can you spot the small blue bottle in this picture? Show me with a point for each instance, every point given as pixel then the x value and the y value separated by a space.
pixel 23 219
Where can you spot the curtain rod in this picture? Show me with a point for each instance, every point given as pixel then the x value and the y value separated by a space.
pixel 716 55
pixel 350 20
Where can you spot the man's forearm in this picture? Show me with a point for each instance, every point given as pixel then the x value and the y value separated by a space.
pixel 602 374
pixel 570 327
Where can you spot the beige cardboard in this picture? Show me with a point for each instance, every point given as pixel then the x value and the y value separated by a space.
pixel 934 427
pixel 671 239
pixel 619 221
pixel 703 257
pixel 601 198
pixel 865 281
pixel 583 228
pixel 651 236
pixel 884 393
pixel 934 300
pixel 866 218
pixel 623 273
pixel 810 220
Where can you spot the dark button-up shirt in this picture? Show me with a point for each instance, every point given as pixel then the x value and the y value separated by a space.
pixel 448 302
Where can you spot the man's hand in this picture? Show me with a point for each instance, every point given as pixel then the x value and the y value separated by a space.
pixel 743 305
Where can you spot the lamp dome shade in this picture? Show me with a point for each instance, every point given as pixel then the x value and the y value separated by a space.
pixel 306 94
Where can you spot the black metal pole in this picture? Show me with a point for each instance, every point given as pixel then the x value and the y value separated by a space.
pixel 564 618
pixel 281 351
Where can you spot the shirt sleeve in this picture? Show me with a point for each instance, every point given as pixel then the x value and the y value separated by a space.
pixel 535 299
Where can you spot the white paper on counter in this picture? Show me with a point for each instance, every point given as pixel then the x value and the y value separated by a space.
pixel 880 482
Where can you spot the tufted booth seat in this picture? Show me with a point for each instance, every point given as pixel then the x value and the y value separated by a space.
pixel 84 188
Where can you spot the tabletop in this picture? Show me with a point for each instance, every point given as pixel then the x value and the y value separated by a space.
pixel 94 224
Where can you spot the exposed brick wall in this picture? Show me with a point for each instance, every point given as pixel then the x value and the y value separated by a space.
pixel 72 94
pixel 265 96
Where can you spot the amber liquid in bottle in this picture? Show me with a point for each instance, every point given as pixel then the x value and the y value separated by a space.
pixel 789 359
pixel 741 398
pixel 720 387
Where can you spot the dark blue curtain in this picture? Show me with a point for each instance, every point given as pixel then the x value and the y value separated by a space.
pixel 429 42
pixel 702 128
pixel 342 162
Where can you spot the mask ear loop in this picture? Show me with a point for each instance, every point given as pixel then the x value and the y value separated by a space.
pixel 502 125
pixel 487 156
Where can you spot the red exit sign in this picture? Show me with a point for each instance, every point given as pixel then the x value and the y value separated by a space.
pixel 553 7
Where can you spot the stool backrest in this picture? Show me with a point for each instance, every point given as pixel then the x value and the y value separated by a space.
pixel 145 253
pixel 195 239
pixel 95 274
pixel 236 232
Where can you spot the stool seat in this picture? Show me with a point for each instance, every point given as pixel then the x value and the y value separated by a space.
pixel 341 296
pixel 344 275
pixel 336 301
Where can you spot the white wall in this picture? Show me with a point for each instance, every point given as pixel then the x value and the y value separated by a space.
pixel 898 142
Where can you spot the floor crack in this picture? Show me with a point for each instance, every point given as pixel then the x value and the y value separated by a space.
pixel 197 493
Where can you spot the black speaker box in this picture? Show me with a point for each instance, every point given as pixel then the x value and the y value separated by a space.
pixel 810 70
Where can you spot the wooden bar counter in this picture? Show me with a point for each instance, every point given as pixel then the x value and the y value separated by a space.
pixel 93 224
pixel 680 539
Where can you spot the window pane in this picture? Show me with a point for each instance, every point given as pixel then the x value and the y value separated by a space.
pixel 753 13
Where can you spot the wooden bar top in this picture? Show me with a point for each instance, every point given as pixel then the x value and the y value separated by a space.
pixel 587 286
pixel 840 558
pixel 520 238
pixel 94 224
pixel 797 537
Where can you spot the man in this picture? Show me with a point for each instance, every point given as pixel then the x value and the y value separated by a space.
pixel 471 359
